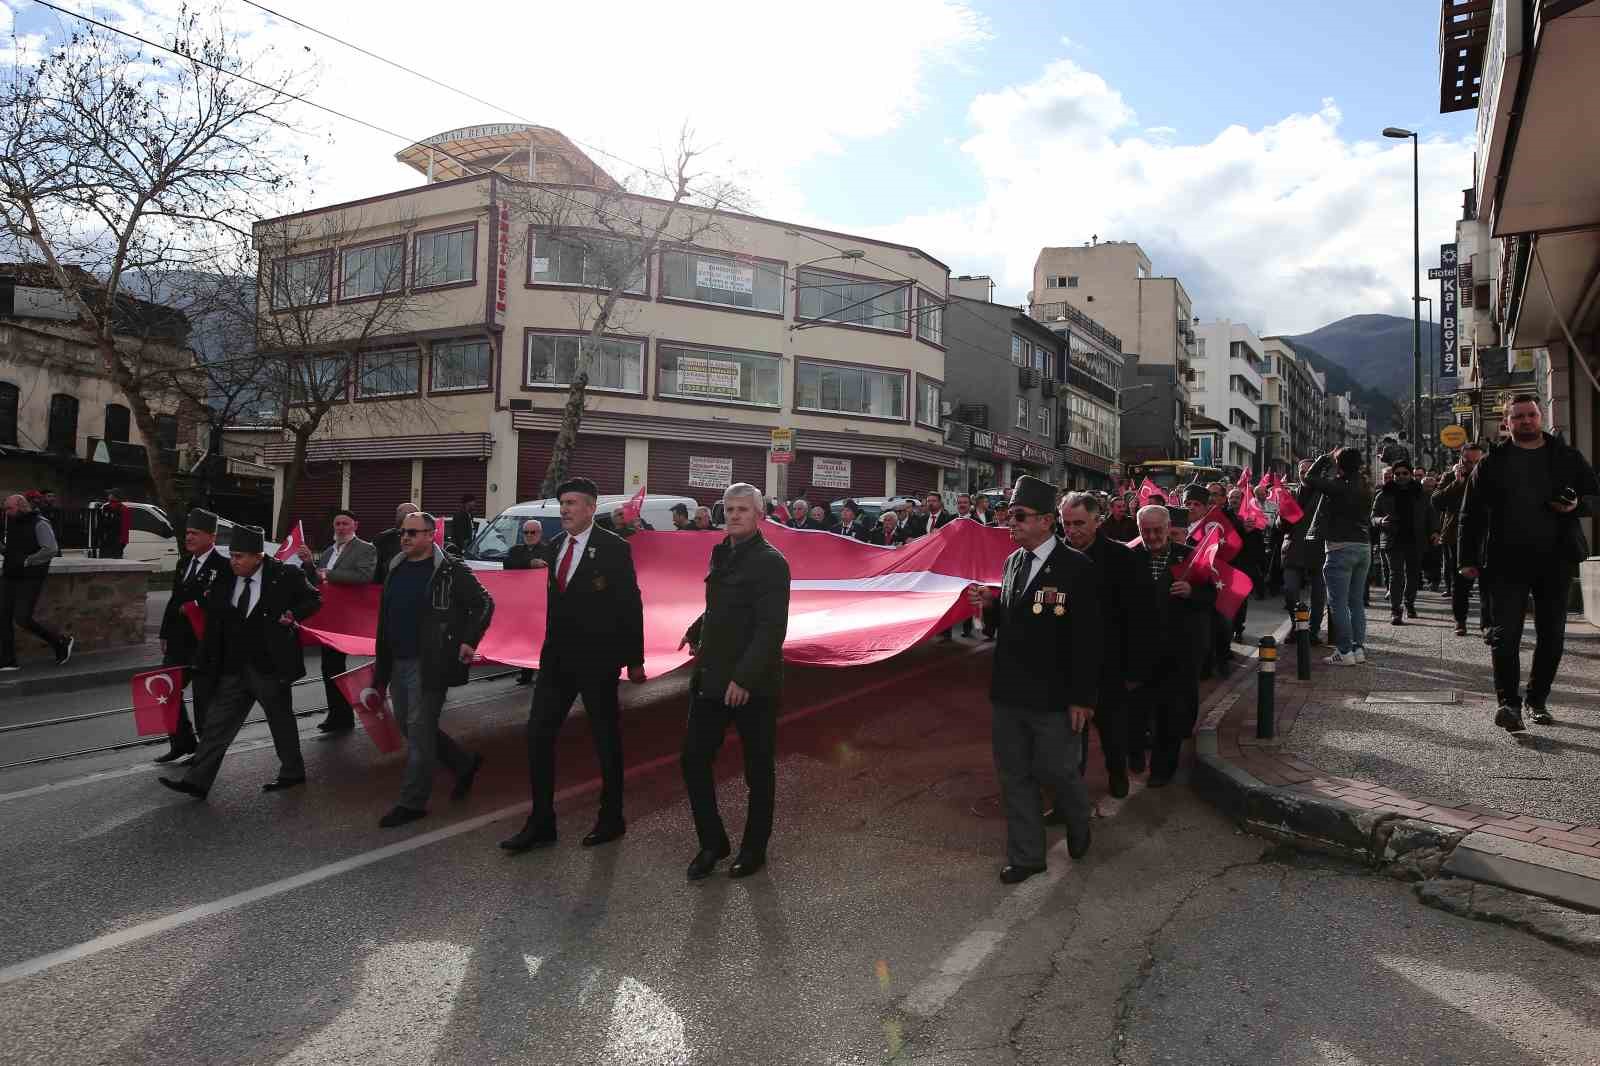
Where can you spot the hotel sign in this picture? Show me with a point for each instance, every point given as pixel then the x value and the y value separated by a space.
pixel 1449 337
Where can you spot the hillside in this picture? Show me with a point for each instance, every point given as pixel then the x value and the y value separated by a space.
pixel 1374 350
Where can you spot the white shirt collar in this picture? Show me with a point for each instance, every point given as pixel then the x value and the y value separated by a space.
pixel 1042 552
pixel 255 588
pixel 580 541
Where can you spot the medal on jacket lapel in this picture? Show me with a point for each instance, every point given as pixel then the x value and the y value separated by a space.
pixel 1038 602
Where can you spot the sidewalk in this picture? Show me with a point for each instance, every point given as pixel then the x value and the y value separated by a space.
pixel 90 669
pixel 1398 761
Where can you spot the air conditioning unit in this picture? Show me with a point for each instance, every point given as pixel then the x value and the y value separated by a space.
pixel 974 414
pixel 1027 377
pixel 1049 386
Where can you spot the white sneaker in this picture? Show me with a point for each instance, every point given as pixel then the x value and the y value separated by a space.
pixel 1358 655
pixel 1340 660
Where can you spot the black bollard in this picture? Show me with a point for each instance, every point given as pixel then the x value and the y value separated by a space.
pixel 1266 677
pixel 1302 641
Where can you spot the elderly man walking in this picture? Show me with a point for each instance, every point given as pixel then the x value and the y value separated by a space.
pixel 192 579
pixel 30 544
pixel 349 560
pixel 529 554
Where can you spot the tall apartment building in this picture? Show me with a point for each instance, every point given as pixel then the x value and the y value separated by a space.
pixel 756 325
pixel 1114 284
pixel 1091 437
pixel 1229 362
pixel 1300 421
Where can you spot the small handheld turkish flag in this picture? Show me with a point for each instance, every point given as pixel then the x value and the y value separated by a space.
pixel 371 707
pixel 157 697
pixel 289 550
pixel 1289 508
pixel 631 509
pixel 196 616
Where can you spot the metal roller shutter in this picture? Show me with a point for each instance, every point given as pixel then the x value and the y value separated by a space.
pixel 669 467
pixel 377 487
pixel 315 498
pixel 915 479
pixel 445 480
pixel 601 459
pixel 866 478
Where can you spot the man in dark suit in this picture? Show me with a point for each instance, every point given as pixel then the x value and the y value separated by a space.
pixel 737 680
pixel 529 554
pixel 886 533
pixel 1046 675
pixel 461 524
pixel 251 653
pixel 192 579
pixel 594 626
pixel 1168 621
pixel 851 524
pixel 387 543
pixel 1084 526
pixel 349 560
pixel 932 517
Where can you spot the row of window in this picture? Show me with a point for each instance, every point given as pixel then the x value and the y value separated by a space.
pixel 1061 281
pixel 448 257
pixel 1030 353
pixel 1042 415
pixel 61 428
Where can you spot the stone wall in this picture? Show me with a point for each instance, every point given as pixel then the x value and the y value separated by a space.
pixel 101 602
pixel 1589 578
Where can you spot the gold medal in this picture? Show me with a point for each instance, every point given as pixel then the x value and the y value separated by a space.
pixel 1060 610
pixel 1038 608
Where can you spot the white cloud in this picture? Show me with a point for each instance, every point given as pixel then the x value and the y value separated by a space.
pixel 1286 227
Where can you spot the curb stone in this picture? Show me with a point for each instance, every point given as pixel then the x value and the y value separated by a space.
pixel 1548 921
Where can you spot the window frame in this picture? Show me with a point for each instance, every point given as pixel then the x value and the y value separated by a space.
pixel 437 231
pixel 349 376
pixel 1021 415
pixel 924 299
pixel 1042 421
pixel 938 384
pixel 11 403
pixel 50 423
pixel 362 365
pixel 757 261
pixel 836 364
pixel 446 390
pixel 126 427
pixel 709 349
pixel 527 362
pixel 1019 352
pixel 905 286
pixel 329 255
pixel 536 231
pixel 400 288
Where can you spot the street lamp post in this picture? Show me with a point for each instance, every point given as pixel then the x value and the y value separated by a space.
pixel 1433 385
pixel 1416 284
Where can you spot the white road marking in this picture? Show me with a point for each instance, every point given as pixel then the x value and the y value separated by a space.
pixel 167 923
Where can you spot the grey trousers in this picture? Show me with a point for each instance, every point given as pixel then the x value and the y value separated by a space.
pixel 1034 748
pixel 417 711
pixel 229 705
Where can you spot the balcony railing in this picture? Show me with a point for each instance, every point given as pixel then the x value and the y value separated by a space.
pixel 1055 312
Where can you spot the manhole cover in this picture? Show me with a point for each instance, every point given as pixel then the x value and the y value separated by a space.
pixel 1445 696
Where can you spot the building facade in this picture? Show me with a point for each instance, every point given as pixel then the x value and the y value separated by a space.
pixel 756 325
pixel 1091 438
pixel 1228 386
pixel 1301 414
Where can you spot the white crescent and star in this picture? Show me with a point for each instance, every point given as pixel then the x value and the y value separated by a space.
pixel 150 683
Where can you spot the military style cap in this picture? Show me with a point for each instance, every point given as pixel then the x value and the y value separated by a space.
pixel 1034 494
pixel 1196 494
pixel 577 484
pixel 250 539
pixel 201 519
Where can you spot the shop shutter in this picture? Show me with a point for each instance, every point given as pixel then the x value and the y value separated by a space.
pixel 377 487
pixel 669 467
pixel 601 459
pixel 445 480
pixel 866 478
pixel 915 479
pixel 314 501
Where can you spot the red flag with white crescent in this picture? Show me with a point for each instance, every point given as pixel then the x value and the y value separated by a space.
pixel 289 550
pixel 371 707
pixel 631 509
pixel 157 698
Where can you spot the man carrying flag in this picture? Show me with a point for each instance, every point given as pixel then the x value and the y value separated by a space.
pixel 180 638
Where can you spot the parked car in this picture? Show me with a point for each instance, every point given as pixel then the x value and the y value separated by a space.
pixel 489 547
pixel 151 538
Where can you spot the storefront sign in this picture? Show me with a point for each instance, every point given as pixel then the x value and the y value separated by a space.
pixel 1002 447
pixel 1033 453
pixel 830 473
pixel 710 472
pixel 1448 337
pixel 782 446
pixel 502 264
pixel 728 277
pixel 701 376
pixel 983 441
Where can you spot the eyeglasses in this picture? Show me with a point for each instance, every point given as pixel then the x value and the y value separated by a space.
pixel 1023 516
pixel 407 531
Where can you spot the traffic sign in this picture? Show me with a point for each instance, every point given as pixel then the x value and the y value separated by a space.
pixel 1452 436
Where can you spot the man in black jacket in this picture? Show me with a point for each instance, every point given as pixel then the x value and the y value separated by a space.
pixel 851 524
pixel 933 516
pixel 1447 503
pixel 737 680
pixel 1404 517
pixel 30 544
pixel 192 579
pixel 431 617
pixel 251 654
pixel 388 542
pixel 1046 676
pixel 1085 529
pixel 1168 621
pixel 1519 526
pixel 594 626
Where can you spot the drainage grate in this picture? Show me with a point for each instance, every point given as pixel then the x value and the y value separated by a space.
pixel 1448 695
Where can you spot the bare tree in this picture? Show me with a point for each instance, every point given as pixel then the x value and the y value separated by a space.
pixel 601 239
pixel 121 162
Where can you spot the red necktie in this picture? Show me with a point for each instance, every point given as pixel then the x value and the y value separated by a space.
pixel 566 564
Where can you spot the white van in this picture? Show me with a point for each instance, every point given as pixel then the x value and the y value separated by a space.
pixel 151 538
pixel 497 536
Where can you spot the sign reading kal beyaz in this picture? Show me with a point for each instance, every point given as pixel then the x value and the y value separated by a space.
pixel 1447 312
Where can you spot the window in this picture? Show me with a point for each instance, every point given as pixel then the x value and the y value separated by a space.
pixel 718 376
pixel 850 390
pixel 1200 348
pixel 445 257
pixel 1039 355
pixel 373 270
pixel 833 298
pixel 589 262
pixel 1042 418
pixel 614 364
pixel 1072 281
pixel 1052 282
pixel 303 281
pixel 63 429
pixel 722 280
pixel 9 400
pixel 460 365
pixel 1019 354
pixel 930 318
pixel 389 373
pixel 1022 412
pixel 167 433
pixel 929 393
pixel 319 380
pixel 117 419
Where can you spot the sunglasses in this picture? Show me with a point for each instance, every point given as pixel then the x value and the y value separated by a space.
pixel 407 531
pixel 1023 516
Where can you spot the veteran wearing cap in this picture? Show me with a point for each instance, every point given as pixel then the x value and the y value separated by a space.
pixel 196 571
pixel 1046 677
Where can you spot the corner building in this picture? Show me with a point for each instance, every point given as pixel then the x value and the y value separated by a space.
pixel 759 325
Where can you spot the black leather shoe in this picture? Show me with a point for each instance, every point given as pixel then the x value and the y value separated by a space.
pixel 1396 620
pixel 1011 875
pixel 1539 713
pixel 179 785
pixel 1054 817
pixel 335 727
pixel 604 834
pixel 1078 843
pixel 282 783
pixel 745 865
pixel 529 838
pixel 400 816
pixel 1461 630
pixel 179 747
pixel 706 861
pixel 464 782
pixel 1411 612
pixel 1119 783
pixel 1509 718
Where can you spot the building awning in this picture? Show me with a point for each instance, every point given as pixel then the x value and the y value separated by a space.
pixel 428 446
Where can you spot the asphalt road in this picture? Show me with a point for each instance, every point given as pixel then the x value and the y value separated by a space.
pixel 143 927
